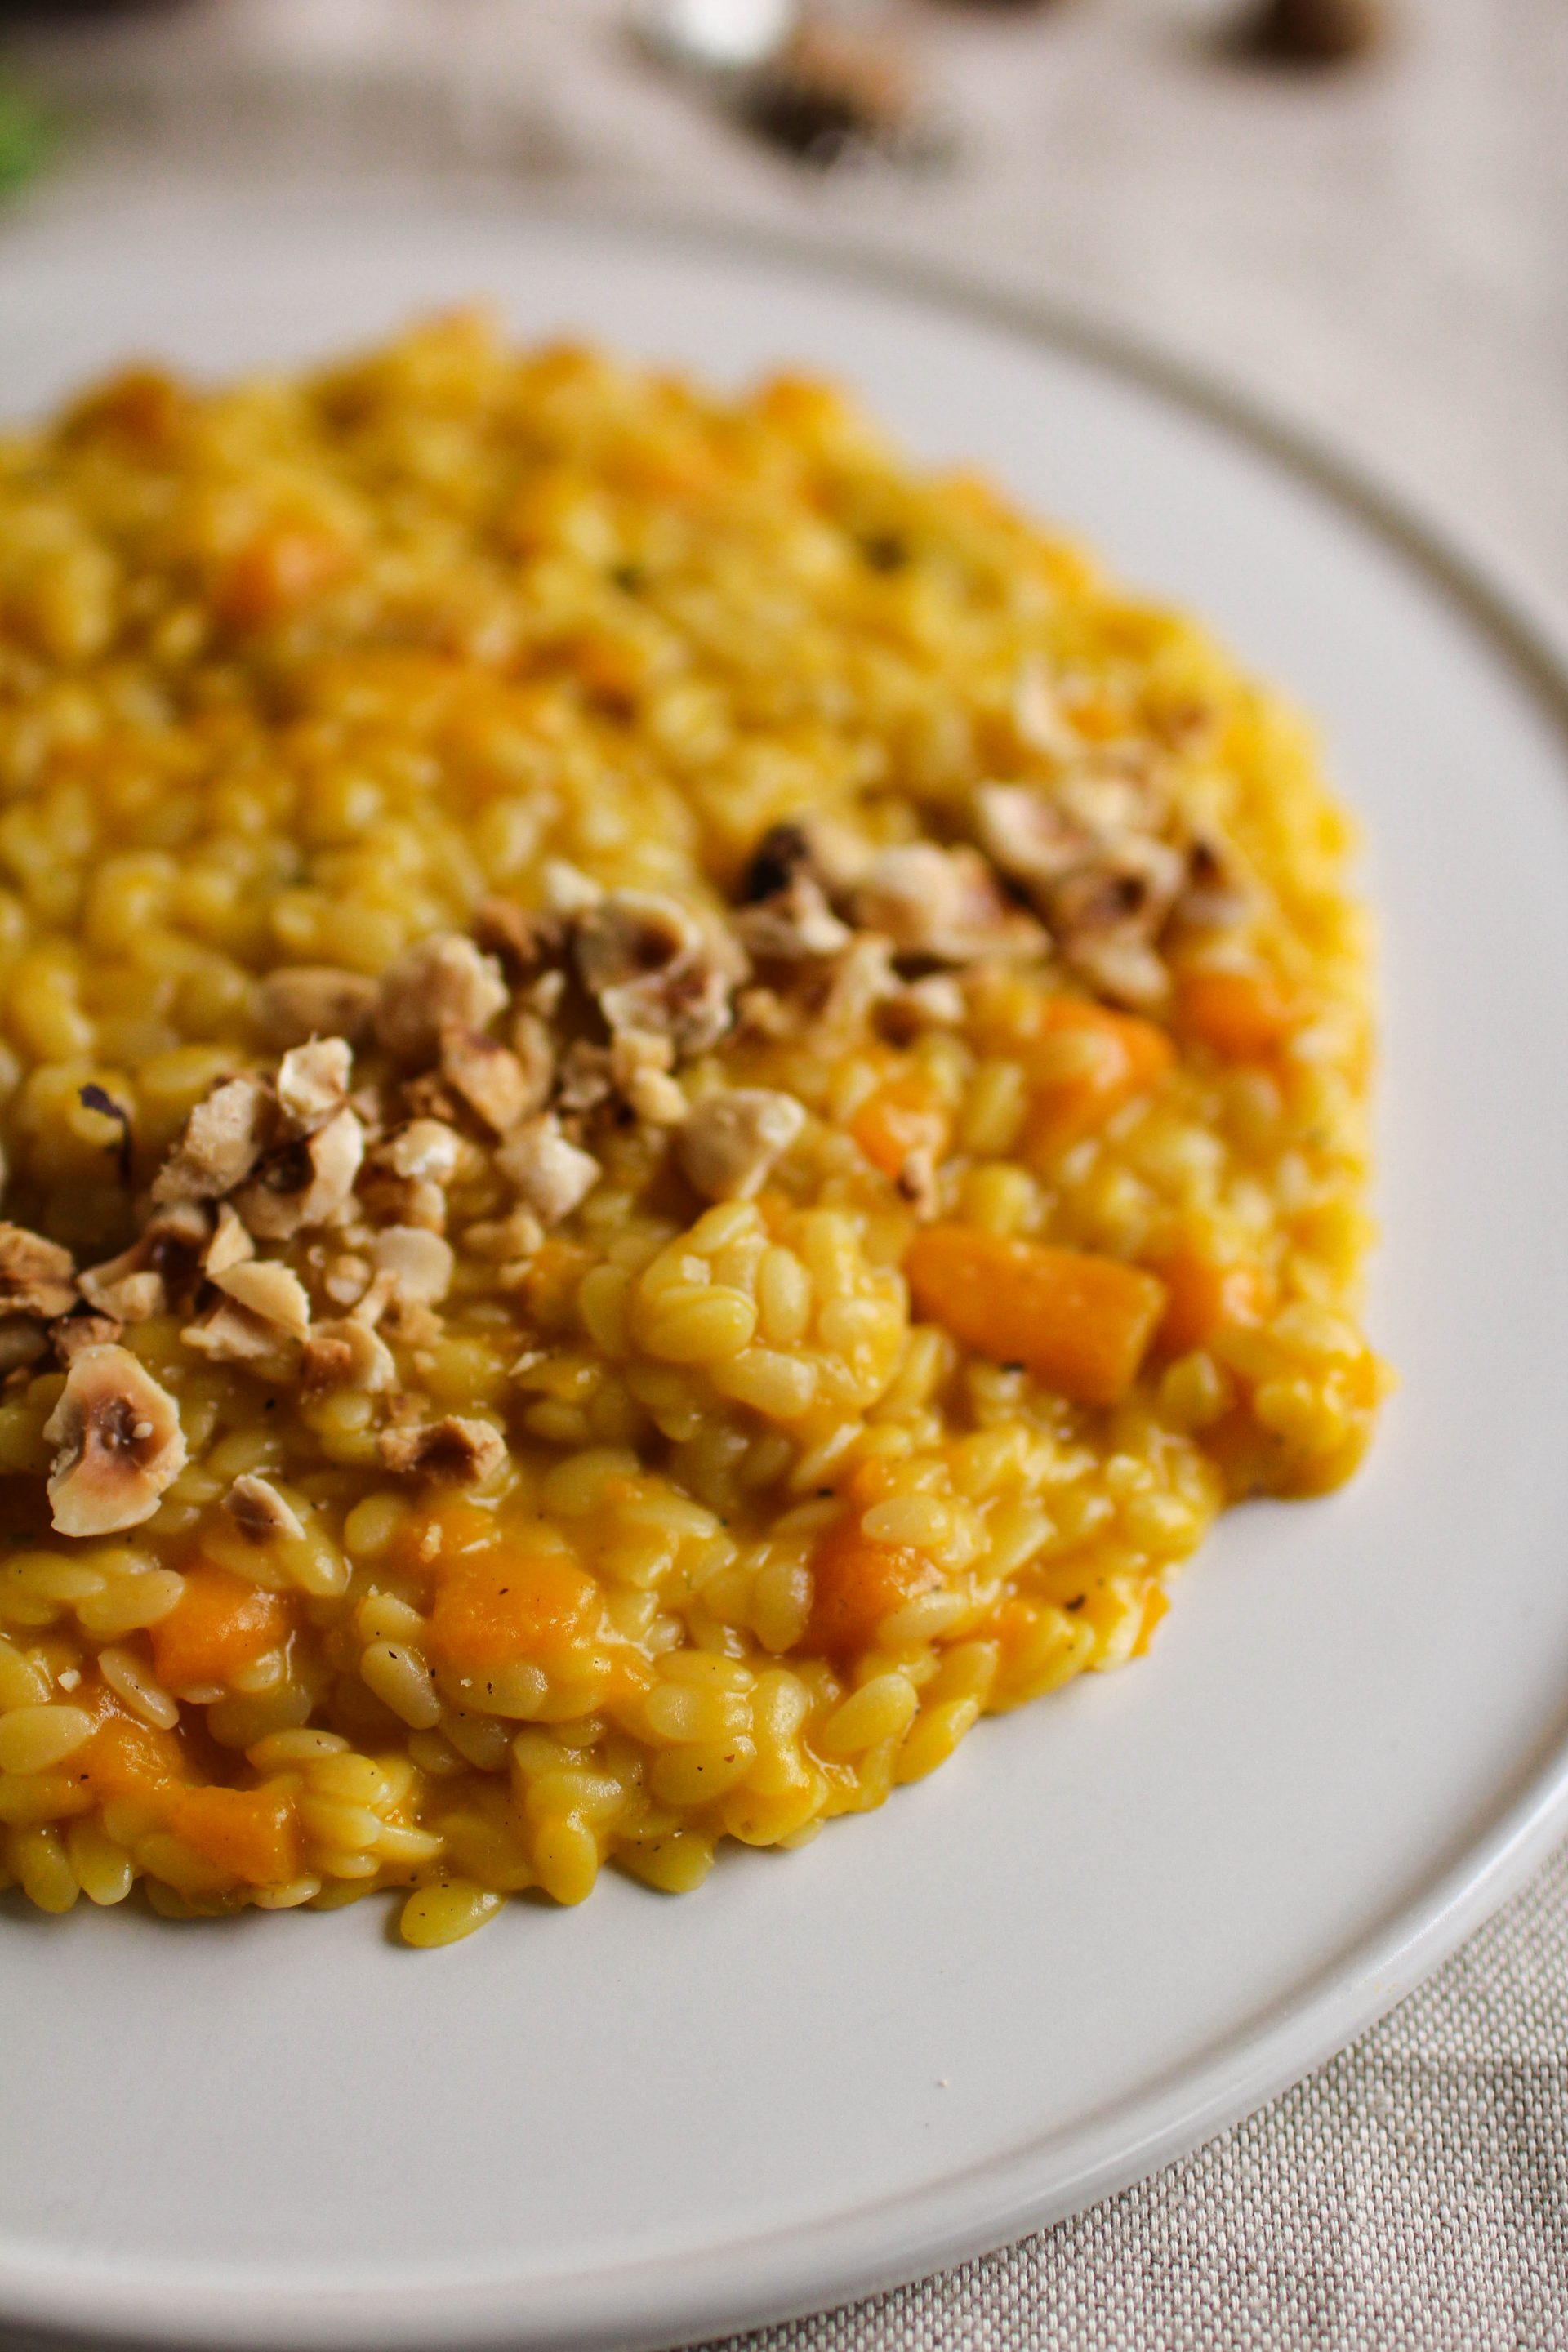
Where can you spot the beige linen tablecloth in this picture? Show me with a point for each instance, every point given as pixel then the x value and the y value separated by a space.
pixel 1385 250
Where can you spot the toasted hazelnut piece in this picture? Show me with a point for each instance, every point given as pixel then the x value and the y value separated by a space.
pixel 542 996
pixel 532 1045
pixel 1309 32
pixel 229 1333
pixel 126 1288
pixel 440 979
pixel 119 1444
pixel 72 1333
pixel 24 1341
pixel 314 1000
pixel 819 847
pixel 274 1294
pixel 551 1175
pixel 1214 894
pixel 729 1141
pixel 1029 836
pixel 792 924
pixel 943 904
pixel 230 1244
pixel 567 889
pixel 390 1200
pixel 260 1511
pixel 1092 860
pixel 220 1144
pixel 1107 917
pixel 520 940
pixel 313 1081
pixel 856 983
pixel 933 1001
pixel 159 1272
pixel 306 1183
pixel 650 964
pixel 786 852
pixel 135 1297
pixel 505 1240
pixel 37 1276
pixel 586 1077
pixel 346 1280
pixel 465 1452
pixel 427 1148
pixel 347 1354
pixel 428 1096
pixel 631 936
pixel 488 1075
pixel 417 1265
pixel 761 1013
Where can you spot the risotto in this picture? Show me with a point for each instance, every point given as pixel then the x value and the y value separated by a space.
pixel 678 1105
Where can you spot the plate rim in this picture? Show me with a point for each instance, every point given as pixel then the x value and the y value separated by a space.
pixel 819 2265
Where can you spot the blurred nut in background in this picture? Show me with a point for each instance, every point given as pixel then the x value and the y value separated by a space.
pixel 1309 32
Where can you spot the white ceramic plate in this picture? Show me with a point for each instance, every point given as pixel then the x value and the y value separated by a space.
pixel 1118 1918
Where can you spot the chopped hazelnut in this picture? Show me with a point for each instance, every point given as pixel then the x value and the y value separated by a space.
pixel 427 1149
pixel 465 1452
pixel 649 964
pixel 791 924
pixel 520 941
pixel 346 1280
pixel 314 1001
pixel 347 1354
pixel 222 1140
pixel 24 1341
pixel 488 1075
pixel 587 1078
pixel 313 1081
pixel 273 1293
pixel 943 904
pixel 933 1001
pixel 1215 895
pixel 1028 836
pixel 504 1240
pixel 306 1183
pixel 567 889
pixel 230 1244
pixel 552 1174
pixel 119 1444
pixel 37 1276
pixel 72 1333
pixel 260 1511
pixel 416 1263
pixel 440 979
pixel 729 1141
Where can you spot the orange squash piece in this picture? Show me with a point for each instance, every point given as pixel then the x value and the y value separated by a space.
pixel 282 568
pixel 128 1758
pixel 1080 1322
pixel 857 1583
pixel 1242 1016
pixel 904 1115
pixel 1205 1297
pixel 219 1624
pixel 250 1835
pixel 1133 1055
pixel 494 1609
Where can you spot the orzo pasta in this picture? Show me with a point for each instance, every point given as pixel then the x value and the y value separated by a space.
pixel 678 1105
